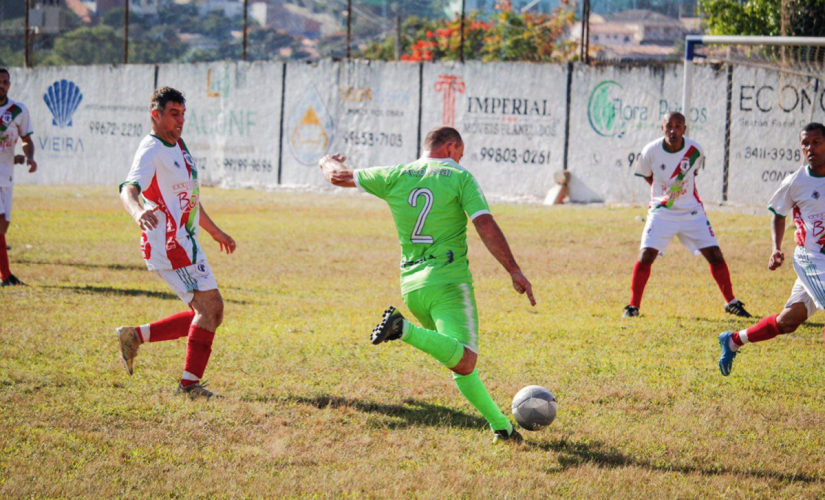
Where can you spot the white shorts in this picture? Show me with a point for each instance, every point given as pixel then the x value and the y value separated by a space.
pixel 188 280
pixel 5 201
pixel 692 228
pixel 809 287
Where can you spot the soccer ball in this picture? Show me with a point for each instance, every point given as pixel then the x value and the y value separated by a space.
pixel 534 407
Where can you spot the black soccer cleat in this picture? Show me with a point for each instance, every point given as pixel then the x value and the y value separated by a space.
pixel 390 328
pixel 12 281
pixel 737 308
pixel 512 437
pixel 630 312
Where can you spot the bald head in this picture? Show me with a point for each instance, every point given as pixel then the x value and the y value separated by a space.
pixel 673 115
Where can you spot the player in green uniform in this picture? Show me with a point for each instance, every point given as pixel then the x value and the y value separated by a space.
pixel 430 200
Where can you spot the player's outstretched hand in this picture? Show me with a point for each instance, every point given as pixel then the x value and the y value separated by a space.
pixel 225 241
pixel 146 219
pixel 32 166
pixel 776 260
pixel 522 285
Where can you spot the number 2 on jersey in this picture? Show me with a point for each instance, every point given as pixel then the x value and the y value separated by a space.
pixel 417 237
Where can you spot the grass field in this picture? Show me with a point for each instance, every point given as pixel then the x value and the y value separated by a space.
pixel 314 410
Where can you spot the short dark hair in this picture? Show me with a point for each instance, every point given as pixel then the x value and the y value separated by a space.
pixel 440 136
pixel 813 126
pixel 673 114
pixel 5 70
pixel 163 96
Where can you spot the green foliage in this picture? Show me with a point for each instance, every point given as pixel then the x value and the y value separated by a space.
pixel 508 35
pixel 764 17
pixel 98 45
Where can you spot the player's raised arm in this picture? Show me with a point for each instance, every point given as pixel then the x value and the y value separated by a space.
pixel 224 240
pixel 777 234
pixel 336 172
pixel 144 217
pixel 496 243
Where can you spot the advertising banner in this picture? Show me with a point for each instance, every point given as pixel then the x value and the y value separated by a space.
pixel 88 121
pixel 367 111
pixel 768 111
pixel 511 116
pixel 616 111
pixel 233 119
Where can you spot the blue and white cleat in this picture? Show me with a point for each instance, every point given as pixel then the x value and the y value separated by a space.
pixel 726 361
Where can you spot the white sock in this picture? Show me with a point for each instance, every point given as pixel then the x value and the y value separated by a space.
pixel 189 376
pixel 743 337
pixel 145 331
pixel 734 301
pixel 404 329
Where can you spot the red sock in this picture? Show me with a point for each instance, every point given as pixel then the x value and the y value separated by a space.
pixel 5 272
pixel 197 353
pixel 171 328
pixel 722 276
pixel 641 273
pixel 766 329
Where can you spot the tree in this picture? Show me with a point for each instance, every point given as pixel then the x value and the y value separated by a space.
pixel 83 46
pixel 764 17
pixel 507 36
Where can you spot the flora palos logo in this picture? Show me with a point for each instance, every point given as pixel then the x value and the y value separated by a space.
pixel 602 112
pixel 63 99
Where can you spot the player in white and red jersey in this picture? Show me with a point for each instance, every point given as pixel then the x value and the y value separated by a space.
pixel 803 195
pixel 670 165
pixel 165 174
pixel 14 124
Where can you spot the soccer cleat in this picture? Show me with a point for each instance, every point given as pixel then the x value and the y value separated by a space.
pixel 12 281
pixel 129 340
pixel 630 312
pixel 502 436
pixel 737 308
pixel 390 328
pixel 198 390
pixel 726 361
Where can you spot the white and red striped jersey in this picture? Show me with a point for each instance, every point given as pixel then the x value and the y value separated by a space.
pixel 803 194
pixel 674 183
pixel 168 179
pixel 14 124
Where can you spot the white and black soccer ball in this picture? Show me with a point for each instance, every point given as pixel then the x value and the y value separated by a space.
pixel 534 407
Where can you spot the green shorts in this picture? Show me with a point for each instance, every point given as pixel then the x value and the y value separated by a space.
pixel 448 309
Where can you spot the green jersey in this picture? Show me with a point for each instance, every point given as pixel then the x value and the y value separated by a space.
pixel 430 200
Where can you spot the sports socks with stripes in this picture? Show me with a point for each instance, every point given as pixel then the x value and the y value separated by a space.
pixel 766 329
pixel 198 347
pixel 170 328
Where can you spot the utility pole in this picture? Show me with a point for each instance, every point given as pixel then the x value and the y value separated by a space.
pixel 349 28
pixel 398 35
pixel 585 42
pixel 245 25
pixel 461 46
pixel 26 60
pixel 126 33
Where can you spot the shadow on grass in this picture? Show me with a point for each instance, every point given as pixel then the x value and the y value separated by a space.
pixel 131 292
pixel 86 265
pixel 412 413
pixel 573 454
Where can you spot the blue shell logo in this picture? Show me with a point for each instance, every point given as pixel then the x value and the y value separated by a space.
pixel 63 98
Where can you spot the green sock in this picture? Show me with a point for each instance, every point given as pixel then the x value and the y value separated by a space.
pixel 447 350
pixel 473 389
